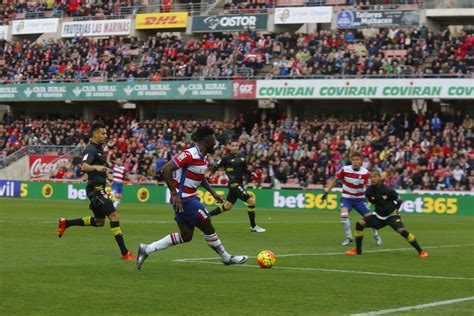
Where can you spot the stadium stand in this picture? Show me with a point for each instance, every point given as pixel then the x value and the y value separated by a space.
pixel 430 152
pixel 393 52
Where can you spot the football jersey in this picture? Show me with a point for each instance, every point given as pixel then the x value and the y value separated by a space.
pixel 190 174
pixel 354 182
pixel 118 173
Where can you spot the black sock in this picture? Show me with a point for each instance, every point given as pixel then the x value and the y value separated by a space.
pixel 251 213
pixel 359 244
pixel 115 227
pixel 359 235
pixel 218 210
pixel 84 221
pixel 411 239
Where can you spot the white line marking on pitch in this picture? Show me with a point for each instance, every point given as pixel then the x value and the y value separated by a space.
pixel 344 271
pixel 408 308
pixel 331 253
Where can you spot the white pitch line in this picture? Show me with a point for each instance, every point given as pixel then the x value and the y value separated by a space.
pixel 332 253
pixel 408 308
pixel 345 271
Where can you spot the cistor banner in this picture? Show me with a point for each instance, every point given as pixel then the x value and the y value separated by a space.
pixel 364 19
pixel 168 20
pixel 221 23
pixel 34 26
pixel 366 88
pixel 299 15
pixel 96 28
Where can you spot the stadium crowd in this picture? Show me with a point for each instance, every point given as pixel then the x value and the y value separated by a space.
pixel 394 51
pixel 424 151
pixel 239 55
pixel 15 9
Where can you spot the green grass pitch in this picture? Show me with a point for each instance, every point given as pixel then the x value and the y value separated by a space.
pixel 81 274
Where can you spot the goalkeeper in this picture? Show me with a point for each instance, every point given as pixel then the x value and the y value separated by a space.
pixel 386 203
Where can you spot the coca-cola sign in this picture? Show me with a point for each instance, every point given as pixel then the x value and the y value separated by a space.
pixel 46 164
pixel 244 89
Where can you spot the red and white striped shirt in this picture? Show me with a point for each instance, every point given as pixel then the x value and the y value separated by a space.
pixel 190 174
pixel 118 173
pixel 354 182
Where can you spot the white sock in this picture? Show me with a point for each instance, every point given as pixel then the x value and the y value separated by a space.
pixel 116 203
pixel 375 233
pixel 215 243
pixel 165 242
pixel 346 222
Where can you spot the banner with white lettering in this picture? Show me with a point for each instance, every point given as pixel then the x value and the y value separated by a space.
pixel 46 165
pixel 364 19
pixel 97 28
pixel 221 23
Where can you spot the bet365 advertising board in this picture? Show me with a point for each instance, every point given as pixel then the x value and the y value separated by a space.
pixel 441 204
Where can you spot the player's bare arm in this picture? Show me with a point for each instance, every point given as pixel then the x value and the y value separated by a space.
pixel 168 170
pixel 205 184
pixel 331 184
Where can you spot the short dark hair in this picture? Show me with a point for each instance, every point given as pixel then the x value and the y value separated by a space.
pixel 375 170
pixel 356 154
pixel 95 127
pixel 202 133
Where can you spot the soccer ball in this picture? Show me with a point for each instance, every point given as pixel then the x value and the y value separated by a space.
pixel 266 259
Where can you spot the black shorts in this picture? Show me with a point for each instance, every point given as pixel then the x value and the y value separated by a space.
pixel 100 204
pixel 394 221
pixel 237 192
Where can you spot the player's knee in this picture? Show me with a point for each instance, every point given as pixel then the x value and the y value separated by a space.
pixel 186 237
pixel 403 232
pixel 114 217
pixel 251 202
pixel 360 225
pixel 228 206
pixel 99 222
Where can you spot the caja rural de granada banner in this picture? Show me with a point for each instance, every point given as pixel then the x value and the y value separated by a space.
pixel 166 90
pixel 439 204
pixel 168 20
pixel 97 28
pixel 366 88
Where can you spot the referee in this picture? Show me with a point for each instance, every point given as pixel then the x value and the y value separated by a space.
pixel 386 203
pixel 235 167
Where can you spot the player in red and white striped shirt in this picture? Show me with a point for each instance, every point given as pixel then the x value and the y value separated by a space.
pixel 355 180
pixel 183 175
pixel 118 174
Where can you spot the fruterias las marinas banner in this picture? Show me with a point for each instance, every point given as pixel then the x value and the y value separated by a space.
pixel 444 204
pixel 222 89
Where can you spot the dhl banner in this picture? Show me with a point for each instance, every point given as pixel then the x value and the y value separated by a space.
pixel 170 20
